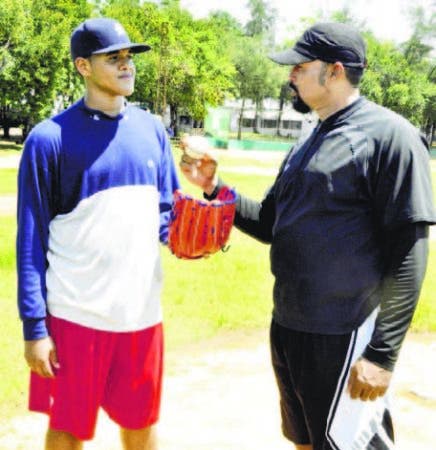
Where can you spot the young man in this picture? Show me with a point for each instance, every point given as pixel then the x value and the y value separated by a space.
pixel 347 219
pixel 95 193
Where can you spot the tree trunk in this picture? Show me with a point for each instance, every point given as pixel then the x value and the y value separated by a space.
pixel 256 119
pixel 240 119
pixel 279 118
pixel 432 133
pixel 174 117
pixel 429 131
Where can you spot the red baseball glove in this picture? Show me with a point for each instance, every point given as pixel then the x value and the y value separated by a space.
pixel 200 228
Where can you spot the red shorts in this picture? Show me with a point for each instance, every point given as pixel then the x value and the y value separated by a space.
pixel 121 372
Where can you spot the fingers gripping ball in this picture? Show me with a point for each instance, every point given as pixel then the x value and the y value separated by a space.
pixel 200 228
pixel 203 163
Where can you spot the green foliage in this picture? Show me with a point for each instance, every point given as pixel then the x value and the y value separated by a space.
pixel 419 47
pixel 13 24
pixel 193 62
pixel 256 77
pixel 187 68
pixel 418 52
pixel 262 21
pixel 39 65
pixel 392 82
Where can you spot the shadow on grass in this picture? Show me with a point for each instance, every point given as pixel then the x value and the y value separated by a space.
pixel 6 145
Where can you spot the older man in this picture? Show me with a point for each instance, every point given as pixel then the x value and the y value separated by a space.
pixel 347 219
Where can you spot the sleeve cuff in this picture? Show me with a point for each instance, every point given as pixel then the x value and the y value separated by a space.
pixel 34 329
pixel 379 358
pixel 214 194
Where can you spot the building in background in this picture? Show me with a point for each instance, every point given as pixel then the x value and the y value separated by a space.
pixel 287 123
pixel 223 120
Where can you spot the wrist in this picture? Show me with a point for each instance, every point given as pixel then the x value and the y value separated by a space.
pixel 210 188
pixel 212 195
pixel 382 359
pixel 34 329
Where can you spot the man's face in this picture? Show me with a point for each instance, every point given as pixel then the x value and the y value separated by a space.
pixel 307 80
pixel 111 74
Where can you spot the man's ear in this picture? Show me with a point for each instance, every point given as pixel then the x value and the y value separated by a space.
pixel 83 66
pixel 337 70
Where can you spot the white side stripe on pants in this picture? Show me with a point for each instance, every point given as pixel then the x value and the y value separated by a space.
pixel 353 423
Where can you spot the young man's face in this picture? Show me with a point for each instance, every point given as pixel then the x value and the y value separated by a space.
pixel 111 74
pixel 308 82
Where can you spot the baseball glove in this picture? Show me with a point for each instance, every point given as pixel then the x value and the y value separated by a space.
pixel 199 228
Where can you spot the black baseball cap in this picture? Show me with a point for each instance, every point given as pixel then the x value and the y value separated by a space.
pixel 101 35
pixel 329 42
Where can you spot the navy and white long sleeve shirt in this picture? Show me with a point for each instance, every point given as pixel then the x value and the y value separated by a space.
pixel 94 199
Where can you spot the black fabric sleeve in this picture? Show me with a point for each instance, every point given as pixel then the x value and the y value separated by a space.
pixel 405 253
pixel 400 179
pixel 253 218
pixel 256 218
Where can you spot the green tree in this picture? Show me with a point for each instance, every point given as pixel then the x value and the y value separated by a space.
pixel 418 53
pixel 14 23
pixel 285 96
pixel 262 21
pixel 429 114
pixel 187 69
pixel 390 81
pixel 39 72
pixel 256 77
pixel 201 69
pixel 418 48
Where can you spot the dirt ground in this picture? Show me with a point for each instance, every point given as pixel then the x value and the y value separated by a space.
pixel 221 395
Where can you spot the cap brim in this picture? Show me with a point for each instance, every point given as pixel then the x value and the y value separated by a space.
pixel 135 48
pixel 289 58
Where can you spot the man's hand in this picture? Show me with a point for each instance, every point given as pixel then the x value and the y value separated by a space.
pixel 41 357
pixel 197 164
pixel 367 380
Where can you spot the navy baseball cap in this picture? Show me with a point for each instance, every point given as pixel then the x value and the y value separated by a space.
pixel 101 35
pixel 329 42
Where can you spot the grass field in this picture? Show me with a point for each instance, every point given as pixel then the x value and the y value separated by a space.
pixel 8 181
pixel 201 298
pixel 9 147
